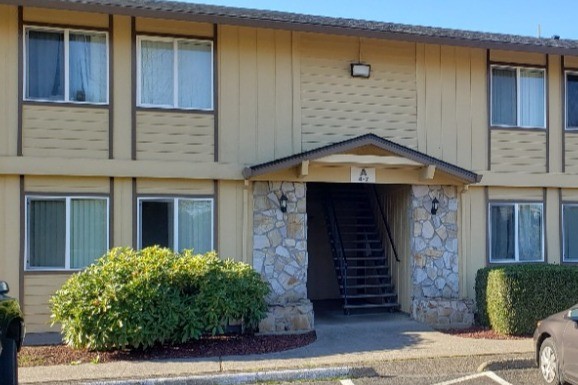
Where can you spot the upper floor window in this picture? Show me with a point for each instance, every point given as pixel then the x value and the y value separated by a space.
pixel 175 73
pixel 572 100
pixel 176 223
pixel 518 97
pixel 516 232
pixel 65 232
pixel 66 65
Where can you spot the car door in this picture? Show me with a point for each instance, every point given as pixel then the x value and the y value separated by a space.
pixel 570 341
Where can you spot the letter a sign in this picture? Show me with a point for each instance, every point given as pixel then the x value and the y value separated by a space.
pixel 362 175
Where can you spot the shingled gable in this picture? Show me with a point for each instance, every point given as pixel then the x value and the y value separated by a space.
pixel 468 177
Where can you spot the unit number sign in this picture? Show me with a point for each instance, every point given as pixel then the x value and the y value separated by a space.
pixel 362 175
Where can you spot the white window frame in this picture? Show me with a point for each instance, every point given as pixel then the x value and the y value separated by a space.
pixel 175 41
pixel 516 206
pixel 518 99
pixel 67 199
pixel 175 201
pixel 66 32
pixel 566 73
pixel 564 257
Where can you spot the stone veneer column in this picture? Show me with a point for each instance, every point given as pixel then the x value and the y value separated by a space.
pixel 280 255
pixel 435 265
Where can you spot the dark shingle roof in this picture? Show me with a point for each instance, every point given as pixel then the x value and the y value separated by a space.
pixel 294 21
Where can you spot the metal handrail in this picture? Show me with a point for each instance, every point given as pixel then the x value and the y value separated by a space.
pixel 387 229
pixel 342 259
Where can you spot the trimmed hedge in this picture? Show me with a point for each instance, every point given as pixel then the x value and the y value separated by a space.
pixel 511 299
pixel 136 299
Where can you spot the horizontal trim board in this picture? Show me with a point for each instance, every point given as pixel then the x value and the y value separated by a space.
pixel 79 27
pixel 174 110
pixel 64 104
pixel 174 35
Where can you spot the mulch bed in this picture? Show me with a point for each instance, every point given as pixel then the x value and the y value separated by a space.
pixel 225 345
pixel 478 332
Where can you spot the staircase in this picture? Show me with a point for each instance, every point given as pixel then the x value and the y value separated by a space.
pixel 359 256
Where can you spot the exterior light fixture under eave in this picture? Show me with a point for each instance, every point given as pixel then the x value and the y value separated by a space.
pixel 434 206
pixel 360 70
pixel 283 203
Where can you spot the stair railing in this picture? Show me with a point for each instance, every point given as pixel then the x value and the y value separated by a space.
pixel 385 223
pixel 338 247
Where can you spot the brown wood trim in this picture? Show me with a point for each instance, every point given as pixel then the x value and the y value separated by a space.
pixel 38 271
pixel 20 135
pixel 488 225
pixel 564 129
pixel 110 87
pixel 22 238
pixel 561 223
pixel 519 129
pixel 63 194
pixel 44 103
pixel 216 92
pixel 74 27
pixel 489 109
pixel 111 213
pixel 176 35
pixel 133 88
pixel 180 196
pixel 510 64
pixel 175 110
pixel 216 207
pixel 134 214
pixel 547 117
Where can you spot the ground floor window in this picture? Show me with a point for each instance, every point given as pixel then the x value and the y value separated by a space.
pixel 516 232
pixel 569 227
pixel 176 223
pixel 65 232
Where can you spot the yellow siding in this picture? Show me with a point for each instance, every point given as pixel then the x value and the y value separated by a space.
pixel 175 136
pixel 53 16
pixel 516 194
pixel 518 57
pixel 555 120
pixel 66 132
pixel 552 225
pixel 570 195
pixel 571 61
pixel 232 222
pixel 66 185
pixel 519 151
pixel 122 93
pixel 174 27
pixel 9 80
pixel 335 106
pixel 38 289
pixel 255 115
pixel 571 153
pixel 473 242
pixel 10 232
pixel 175 186
pixel 123 212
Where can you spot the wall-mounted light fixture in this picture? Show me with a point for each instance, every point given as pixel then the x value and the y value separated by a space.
pixel 283 203
pixel 435 204
pixel 360 70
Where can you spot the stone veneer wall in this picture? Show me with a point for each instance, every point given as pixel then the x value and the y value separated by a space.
pixel 435 267
pixel 280 255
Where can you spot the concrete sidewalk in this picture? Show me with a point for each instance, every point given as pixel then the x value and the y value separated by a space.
pixel 342 342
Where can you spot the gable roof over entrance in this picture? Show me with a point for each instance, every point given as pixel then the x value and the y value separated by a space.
pixel 401 156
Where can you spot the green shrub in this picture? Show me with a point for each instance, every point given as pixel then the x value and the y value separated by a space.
pixel 511 299
pixel 135 299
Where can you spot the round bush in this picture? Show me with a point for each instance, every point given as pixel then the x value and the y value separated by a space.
pixel 135 299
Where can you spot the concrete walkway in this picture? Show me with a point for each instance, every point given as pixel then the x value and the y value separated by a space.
pixel 342 342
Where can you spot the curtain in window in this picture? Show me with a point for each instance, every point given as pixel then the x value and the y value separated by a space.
pixel 87 67
pixel 195 225
pixel 88 231
pixel 502 233
pixel 47 233
pixel 504 98
pixel 571 100
pixel 45 65
pixel 530 232
pixel 570 215
pixel 531 98
pixel 157 73
pixel 195 80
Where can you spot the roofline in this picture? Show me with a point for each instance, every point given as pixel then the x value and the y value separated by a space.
pixel 363 140
pixel 306 23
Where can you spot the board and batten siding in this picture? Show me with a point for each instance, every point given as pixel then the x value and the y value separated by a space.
pixel 519 151
pixel 38 288
pixel 65 132
pixel 571 152
pixel 175 136
pixel 336 106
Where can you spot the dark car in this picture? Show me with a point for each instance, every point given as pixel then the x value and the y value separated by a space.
pixel 11 336
pixel 556 340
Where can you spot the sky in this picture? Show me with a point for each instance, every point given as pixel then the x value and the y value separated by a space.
pixel 518 17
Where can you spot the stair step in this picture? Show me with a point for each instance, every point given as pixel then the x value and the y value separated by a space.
pixel 366 258
pixel 368 267
pixel 371 250
pixel 369 286
pixel 368 276
pixel 359 296
pixel 372 305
